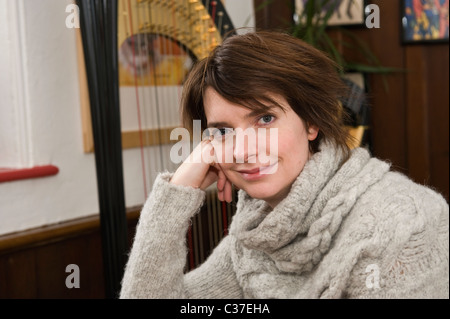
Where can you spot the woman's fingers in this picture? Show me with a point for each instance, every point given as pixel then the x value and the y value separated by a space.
pixel 195 169
pixel 224 187
pixel 225 195
pixel 200 171
pixel 227 192
pixel 210 178
pixel 222 179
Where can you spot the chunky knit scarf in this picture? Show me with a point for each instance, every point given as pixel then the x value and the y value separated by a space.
pixel 298 232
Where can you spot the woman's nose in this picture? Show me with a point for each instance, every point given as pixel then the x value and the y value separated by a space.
pixel 244 150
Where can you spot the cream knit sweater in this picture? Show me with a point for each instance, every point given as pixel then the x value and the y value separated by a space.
pixel 353 231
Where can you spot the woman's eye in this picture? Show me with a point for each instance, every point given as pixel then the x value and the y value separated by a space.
pixel 223 131
pixel 219 133
pixel 266 119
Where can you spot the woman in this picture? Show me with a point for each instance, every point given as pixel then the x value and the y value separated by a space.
pixel 316 220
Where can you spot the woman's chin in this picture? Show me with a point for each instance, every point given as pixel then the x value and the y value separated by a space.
pixel 259 192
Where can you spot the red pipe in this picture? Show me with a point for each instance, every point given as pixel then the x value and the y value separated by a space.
pixel 13 174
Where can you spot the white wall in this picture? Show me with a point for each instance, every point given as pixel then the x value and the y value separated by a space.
pixel 241 14
pixel 45 103
pixel 40 120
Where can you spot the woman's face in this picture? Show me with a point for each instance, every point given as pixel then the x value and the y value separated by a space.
pixel 264 169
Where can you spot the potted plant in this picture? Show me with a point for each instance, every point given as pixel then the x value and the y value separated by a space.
pixel 311 25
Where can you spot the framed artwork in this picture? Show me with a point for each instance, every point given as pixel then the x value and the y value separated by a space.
pixel 345 12
pixel 424 21
pixel 156 50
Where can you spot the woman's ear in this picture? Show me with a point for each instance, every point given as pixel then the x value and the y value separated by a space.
pixel 313 130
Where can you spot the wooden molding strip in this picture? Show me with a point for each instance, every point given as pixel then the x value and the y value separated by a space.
pixel 135 139
pixel 88 139
pixel 56 232
pixel 150 137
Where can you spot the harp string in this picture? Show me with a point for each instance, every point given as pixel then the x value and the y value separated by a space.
pixel 224 205
pixel 174 29
pixel 151 132
pixel 185 37
pixel 183 49
pixel 145 77
pixel 154 13
pixel 143 47
pixel 130 17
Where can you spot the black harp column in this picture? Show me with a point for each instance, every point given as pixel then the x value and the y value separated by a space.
pixel 98 23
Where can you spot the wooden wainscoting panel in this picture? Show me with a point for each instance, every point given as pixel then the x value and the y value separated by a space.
pixel 48 234
pixel 33 263
pixel 51 263
pixel 18 276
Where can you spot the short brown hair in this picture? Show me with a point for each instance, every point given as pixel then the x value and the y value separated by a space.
pixel 246 69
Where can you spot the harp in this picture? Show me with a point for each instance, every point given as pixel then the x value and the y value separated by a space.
pixel 136 55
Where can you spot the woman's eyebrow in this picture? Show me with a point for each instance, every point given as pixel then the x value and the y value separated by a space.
pixel 252 114
pixel 270 110
pixel 255 113
pixel 218 124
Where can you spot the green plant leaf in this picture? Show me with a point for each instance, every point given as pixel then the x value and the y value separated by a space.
pixel 332 51
pixel 311 27
pixel 372 69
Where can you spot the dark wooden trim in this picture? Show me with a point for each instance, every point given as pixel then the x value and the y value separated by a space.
pixel 276 15
pixel 33 262
pixel 57 232
pixel 147 137
pixel 417 114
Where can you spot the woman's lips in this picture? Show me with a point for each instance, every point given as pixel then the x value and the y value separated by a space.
pixel 256 173
pixel 249 171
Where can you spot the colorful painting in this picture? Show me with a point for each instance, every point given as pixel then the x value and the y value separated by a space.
pixel 345 12
pixel 425 21
pixel 152 60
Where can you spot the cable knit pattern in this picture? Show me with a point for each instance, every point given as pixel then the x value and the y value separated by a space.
pixel 331 205
pixel 351 230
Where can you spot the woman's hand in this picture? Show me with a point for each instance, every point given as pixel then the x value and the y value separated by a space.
pixel 200 171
